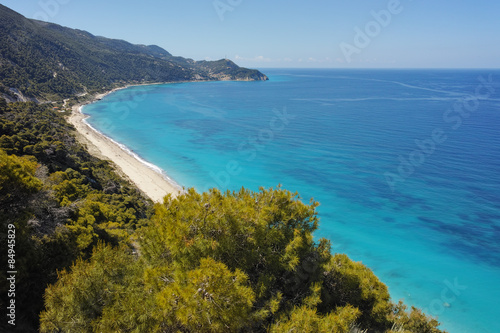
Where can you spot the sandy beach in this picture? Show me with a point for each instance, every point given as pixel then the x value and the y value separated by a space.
pixel 152 183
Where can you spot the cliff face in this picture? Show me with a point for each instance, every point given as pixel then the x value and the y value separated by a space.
pixel 14 95
pixel 46 61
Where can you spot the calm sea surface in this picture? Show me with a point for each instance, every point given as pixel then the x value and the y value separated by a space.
pixel 405 164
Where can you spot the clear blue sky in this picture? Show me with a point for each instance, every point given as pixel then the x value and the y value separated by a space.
pixel 293 33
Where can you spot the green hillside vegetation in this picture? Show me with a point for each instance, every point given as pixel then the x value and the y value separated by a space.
pixel 225 262
pixel 50 62
pixel 62 201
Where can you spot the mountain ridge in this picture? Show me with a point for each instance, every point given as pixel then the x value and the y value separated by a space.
pixel 42 61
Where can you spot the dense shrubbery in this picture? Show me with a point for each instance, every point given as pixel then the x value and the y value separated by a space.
pixel 61 200
pixel 225 262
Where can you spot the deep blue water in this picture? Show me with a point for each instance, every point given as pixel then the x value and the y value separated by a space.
pixel 424 215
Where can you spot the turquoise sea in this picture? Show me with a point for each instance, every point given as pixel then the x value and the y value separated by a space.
pixel 405 164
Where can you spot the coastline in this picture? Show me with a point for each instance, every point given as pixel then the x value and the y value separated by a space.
pixel 148 178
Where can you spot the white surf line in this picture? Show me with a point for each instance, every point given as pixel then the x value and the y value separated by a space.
pixel 132 153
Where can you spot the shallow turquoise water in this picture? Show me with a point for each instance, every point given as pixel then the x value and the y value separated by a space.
pixel 424 215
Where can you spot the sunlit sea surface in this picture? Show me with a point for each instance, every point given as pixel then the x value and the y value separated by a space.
pixel 405 164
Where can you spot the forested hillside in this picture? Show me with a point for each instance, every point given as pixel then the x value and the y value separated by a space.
pixel 46 61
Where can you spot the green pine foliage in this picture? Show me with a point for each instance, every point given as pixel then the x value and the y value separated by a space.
pixel 78 299
pixel 210 298
pixel 308 320
pixel 17 178
pixel 351 283
pixel 226 262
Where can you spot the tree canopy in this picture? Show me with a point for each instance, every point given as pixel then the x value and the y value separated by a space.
pixel 226 262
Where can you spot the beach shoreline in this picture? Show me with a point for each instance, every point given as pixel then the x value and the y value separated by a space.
pixel 149 179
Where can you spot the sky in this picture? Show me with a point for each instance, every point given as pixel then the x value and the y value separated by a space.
pixel 292 33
